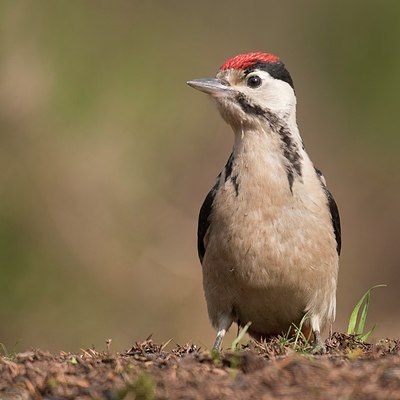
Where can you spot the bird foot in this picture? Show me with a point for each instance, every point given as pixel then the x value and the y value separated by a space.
pixel 318 346
pixel 318 349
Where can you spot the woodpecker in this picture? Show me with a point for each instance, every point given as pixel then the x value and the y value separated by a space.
pixel 269 233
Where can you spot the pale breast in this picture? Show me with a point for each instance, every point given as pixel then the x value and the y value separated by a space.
pixel 270 249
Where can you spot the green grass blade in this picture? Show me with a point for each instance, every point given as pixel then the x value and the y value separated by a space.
pixel 4 349
pixel 298 330
pixel 354 315
pixel 240 336
pixel 364 313
pixel 367 335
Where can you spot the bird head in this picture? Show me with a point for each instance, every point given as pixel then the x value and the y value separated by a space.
pixel 250 86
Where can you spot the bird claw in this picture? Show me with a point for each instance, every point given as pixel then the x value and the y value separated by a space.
pixel 318 346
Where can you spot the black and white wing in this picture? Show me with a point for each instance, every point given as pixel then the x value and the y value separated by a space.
pixel 204 220
pixel 335 219
pixel 333 208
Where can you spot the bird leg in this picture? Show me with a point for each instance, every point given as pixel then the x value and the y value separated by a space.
pixel 218 340
pixel 318 346
pixel 223 324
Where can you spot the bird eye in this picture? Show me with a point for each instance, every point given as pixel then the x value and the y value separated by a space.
pixel 254 81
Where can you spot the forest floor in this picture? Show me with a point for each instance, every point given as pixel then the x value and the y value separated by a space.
pixel 275 369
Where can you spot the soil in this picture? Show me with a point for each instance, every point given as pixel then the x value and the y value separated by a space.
pixel 270 370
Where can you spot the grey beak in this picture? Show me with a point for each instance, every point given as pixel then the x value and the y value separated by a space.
pixel 212 86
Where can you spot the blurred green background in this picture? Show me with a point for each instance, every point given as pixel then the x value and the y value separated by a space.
pixel 106 156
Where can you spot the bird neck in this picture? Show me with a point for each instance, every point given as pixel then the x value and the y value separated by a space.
pixel 275 142
pixel 277 126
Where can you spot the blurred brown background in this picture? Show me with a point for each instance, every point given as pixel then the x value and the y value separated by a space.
pixel 106 156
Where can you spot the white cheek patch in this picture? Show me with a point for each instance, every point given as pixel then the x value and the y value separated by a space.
pixel 273 94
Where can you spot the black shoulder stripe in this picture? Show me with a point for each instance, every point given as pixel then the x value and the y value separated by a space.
pixel 333 208
pixel 335 220
pixel 228 167
pixel 204 222
pixel 206 208
pixel 319 173
pixel 229 175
